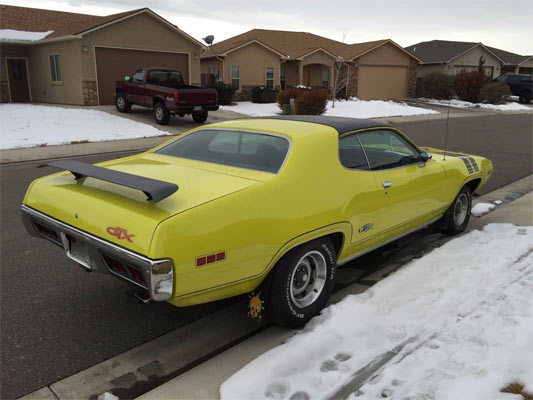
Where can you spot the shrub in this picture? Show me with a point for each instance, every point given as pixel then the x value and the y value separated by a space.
pixel 469 83
pixel 312 102
pixel 284 96
pixel 438 85
pixel 225 93
pixel 262 94
pixel 494 93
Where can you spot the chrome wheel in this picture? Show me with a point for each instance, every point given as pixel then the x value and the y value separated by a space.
pixel 159 113
pixel 308 279
pixel 460 209
pixel 120 102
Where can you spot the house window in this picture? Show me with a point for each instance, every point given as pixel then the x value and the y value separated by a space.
pixel 210 70
pixel 282 78
pixel 270 77
pixel 235 76
pixel 55 68
pixel 325 77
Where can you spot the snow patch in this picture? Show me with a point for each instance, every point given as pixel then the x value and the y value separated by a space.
pixel 107 396
pixel 464 104
pixel 482 208
pixel 460 320
pixel 497 202
pixel 352 108
pixel 11 34
pixel 26 125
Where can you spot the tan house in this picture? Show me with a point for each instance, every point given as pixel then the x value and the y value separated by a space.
pixel 279 59
pixel 66 58
pixel 451 57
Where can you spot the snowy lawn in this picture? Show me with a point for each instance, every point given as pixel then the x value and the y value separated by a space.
pixel 458 323
pixel 464 104
pixel 25 125
pixel 353 108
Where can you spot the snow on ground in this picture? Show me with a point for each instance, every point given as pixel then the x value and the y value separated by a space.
pixel 482 208
pixel 353 108
pixel 463 104
pixel 25 125
pixel 457 322
pixel 11 34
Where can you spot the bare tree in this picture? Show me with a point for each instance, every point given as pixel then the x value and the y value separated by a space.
pixel 340 78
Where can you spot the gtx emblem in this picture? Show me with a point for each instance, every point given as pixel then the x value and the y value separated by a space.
pixel 366 228
pixel 119 233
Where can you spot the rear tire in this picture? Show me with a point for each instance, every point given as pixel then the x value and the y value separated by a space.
pixel 525 97
pixel 121 103
pixel 455 220
pixel 199 116
pixel 161 114
pixel 302 282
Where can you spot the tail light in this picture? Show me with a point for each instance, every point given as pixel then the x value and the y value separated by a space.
pixel 176 96
pixel 125 270
pixel 216 97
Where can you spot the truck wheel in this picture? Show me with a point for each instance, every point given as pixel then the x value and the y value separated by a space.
pixel 121 103
pixel 161 114
pixel 199 116
pixel 455 220
pixel 302 282
pixel 525 97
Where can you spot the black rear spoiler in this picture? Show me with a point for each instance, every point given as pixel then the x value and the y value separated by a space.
pixel 153 189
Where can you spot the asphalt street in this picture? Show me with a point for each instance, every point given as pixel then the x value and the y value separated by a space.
pixel 57 319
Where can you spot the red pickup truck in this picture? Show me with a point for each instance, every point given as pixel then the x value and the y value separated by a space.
pixel 163 90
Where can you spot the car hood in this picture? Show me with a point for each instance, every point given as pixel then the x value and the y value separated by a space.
pixel 115 212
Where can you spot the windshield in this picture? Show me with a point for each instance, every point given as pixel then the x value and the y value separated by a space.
pixel 258 151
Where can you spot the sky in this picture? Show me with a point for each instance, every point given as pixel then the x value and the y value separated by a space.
pixel 506 25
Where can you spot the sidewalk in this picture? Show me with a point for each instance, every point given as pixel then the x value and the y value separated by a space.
pixel 203 381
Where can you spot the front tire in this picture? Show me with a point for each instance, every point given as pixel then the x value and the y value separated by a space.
pixel 457 217
pixel 199 116
pixel 302 282
pixel 121 103
pixel 525 97
pixel 161 114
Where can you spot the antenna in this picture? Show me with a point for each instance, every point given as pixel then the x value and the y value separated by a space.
pixel 447 124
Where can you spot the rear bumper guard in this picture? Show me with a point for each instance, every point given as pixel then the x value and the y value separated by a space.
pixel 95 254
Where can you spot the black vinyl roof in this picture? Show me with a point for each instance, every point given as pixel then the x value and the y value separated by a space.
pixel 341 124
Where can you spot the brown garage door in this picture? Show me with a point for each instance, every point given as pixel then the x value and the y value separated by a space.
pixel 113 64
pixel 382 82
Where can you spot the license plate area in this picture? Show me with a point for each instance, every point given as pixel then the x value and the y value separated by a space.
pixel 197 108
pixel 79 251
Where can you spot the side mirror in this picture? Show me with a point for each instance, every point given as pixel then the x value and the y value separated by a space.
pixel 425 156
pixel 126 78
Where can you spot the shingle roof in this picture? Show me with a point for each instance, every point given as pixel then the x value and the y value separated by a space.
pixel 436 51
pixel 293 44
pixel 508 57
pixel 61 23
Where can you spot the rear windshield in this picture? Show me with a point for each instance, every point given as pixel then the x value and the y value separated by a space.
pixel 165 78
pixel 261 152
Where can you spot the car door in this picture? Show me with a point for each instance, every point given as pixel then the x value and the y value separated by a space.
pixel 410 189
pixel 360 189
pixel 135 90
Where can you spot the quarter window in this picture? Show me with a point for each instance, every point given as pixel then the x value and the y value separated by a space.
pixel 55 68
pixel 386 149
pixel 235 76
pixel 270 77
pixel 351 154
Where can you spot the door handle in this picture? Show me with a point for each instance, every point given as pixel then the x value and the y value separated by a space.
pixel 387 184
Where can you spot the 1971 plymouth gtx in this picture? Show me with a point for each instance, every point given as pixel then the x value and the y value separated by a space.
pixel 270 206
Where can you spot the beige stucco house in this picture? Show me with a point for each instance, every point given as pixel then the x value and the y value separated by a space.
pixel 451 57
pixel 66 58
pixel 279 59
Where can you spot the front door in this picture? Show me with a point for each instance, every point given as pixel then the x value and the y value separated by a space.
pixel 19 87
pixel 307 77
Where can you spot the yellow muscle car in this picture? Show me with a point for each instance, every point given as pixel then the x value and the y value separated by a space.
pixel 268 205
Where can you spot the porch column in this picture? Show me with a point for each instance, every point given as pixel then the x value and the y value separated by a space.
pixel 300 73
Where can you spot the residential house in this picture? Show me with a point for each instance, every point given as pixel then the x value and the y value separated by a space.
pixel 278 59
pixel 67 58
pixel 451 57
pixel 514 63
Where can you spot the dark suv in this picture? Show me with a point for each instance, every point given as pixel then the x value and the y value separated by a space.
pixel 521 85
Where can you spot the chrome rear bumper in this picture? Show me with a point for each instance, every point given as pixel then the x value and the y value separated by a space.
pixel 96 254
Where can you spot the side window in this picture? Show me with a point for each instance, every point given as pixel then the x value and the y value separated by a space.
pixel 269 77
pixel 55 68
pixel 386 149
pixel 138 77
pixel 235 76
pixel 351 154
